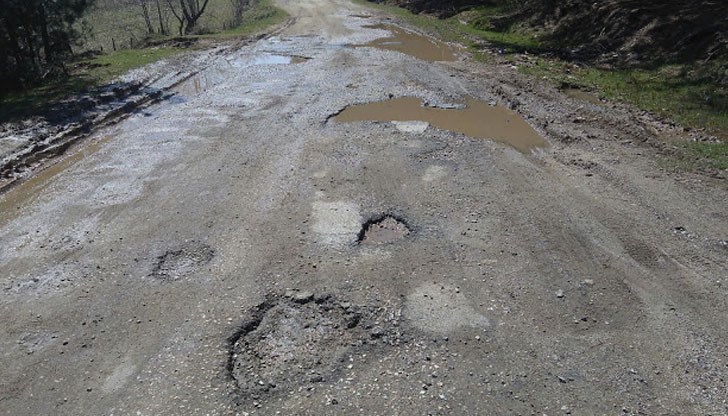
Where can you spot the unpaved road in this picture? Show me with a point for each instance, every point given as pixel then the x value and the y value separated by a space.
pixel 201 257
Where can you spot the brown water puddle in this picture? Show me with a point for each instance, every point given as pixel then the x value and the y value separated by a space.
pixel 411 43
pixel 20 196
pixel 581 95
pixel 478 119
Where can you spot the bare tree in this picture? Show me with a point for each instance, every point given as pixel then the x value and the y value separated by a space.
pixel 188 14
pixel 145 14
pixel 239 6
pixel 162 28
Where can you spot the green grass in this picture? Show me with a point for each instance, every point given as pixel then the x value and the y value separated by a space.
pixel 106 67
pixel 255 20
pixel 470 33
pixel 714 155
pixel 671 91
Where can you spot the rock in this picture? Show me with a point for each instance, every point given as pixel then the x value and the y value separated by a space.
pixel 377 332
pixel 416 127
pixel 303 297
pixel 559 293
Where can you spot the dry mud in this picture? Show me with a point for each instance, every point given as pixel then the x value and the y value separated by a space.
pixel 236 250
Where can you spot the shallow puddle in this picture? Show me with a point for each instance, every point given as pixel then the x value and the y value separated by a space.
pixel 478 119
pixel 411 43
pixel 18 197
pixel 216 76
pixel 268 59
pixel 581 95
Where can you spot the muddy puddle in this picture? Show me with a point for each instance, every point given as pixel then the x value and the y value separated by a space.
pixel 411 43
pixel 20 196
pixel 268 59
pixel 478 119
pixel 581 95
pixel 209 79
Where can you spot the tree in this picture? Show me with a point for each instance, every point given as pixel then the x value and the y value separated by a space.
pixel 145 13
pixel 188 14
pixel 147 9
pixel 36 37
pixel 239 7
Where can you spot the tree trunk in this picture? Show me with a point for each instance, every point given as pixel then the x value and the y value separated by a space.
pixel 45 38
pixel 177 16
pixel 145 13
pixel 162 29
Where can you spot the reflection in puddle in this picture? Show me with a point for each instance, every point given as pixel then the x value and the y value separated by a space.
pixel 581 95
pixel 477 119
pixel 215 76
pixel 268 59
pixel 411 43
pixel 20 196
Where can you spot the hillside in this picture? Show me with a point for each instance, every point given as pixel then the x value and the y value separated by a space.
pixel 627 32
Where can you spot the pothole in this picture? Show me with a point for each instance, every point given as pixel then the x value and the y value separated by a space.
pixel 478 119
pixel 268 59
pixel 411 43
pixel 383 229
pixel 176 264
pixel 301 339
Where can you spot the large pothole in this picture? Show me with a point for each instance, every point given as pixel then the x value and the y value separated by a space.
pixel 176 264
pixel 300 339
pixel 477 119
pixel 383 229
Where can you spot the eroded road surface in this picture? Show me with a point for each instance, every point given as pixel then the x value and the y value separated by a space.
pixel 239 249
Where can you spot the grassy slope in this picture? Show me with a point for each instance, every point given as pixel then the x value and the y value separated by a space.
pixel 680 93
pixel 90 73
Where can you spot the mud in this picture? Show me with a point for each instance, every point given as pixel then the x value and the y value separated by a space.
pixel 24 193
pixel 582 95
pixel 383 229
pixel 478 119
pixel 411 43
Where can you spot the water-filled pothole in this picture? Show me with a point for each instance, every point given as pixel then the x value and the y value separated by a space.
pixel 478 119
pixel 411 43
pixel 268 59
pixel 383 229
pixel 218 75
pixel 302 339
pixel 176 264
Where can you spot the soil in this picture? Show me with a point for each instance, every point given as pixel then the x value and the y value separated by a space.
pixel 213 241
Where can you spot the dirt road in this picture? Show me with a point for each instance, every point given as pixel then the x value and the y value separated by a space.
pixel 236 250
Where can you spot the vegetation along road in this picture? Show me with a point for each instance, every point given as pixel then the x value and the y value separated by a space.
pixel 346 215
